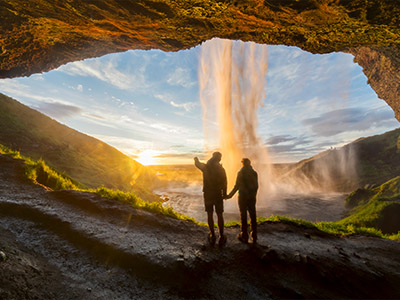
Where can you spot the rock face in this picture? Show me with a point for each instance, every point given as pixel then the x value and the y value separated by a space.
pixel 40 35
pixel 381 65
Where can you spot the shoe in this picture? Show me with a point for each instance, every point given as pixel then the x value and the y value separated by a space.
pixel 211 239
pixel 242 239
pixel 222 240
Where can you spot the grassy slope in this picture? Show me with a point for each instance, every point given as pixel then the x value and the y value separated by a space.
pixel 377 207
pixel 86 159
pixel 39 172
pixel 377 160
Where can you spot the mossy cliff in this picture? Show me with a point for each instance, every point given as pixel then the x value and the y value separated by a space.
pixel 40 35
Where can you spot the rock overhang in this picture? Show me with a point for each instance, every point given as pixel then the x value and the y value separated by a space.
pixel 40 35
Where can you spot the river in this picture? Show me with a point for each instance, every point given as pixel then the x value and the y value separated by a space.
pixel 314 207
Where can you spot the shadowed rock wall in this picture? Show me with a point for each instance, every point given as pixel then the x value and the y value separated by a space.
pixel 40 35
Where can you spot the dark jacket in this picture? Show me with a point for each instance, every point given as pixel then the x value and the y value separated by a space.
pixel 214 177
pixel 246 182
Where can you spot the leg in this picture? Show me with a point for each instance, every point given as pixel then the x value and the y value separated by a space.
pixel 220 224
pixel 211 235
pixel 243 218
pixel 219 209
pixel 253 218
pixel 210 219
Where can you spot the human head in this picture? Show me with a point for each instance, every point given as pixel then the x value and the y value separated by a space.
pixel 246 162
pixel 217 156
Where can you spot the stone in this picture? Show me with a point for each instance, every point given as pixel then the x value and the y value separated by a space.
pixel 35 39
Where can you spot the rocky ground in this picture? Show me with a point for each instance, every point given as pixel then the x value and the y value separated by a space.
pixel 74 245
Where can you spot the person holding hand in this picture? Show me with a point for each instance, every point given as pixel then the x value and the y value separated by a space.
pixel 247 185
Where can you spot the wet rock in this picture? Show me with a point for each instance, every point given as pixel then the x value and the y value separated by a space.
pixel 3 256
pixel 73 250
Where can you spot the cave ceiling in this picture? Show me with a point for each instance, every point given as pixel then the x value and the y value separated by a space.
pixel 40 35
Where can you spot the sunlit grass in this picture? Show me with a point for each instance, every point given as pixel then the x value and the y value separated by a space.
pixel 39 172
pixel 333 228
pixel 12 153
pixel 137 202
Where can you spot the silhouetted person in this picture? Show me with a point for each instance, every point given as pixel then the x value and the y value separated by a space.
pixel 214 191
pixel 247 184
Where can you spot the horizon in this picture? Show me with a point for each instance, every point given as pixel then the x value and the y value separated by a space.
pixel 145 103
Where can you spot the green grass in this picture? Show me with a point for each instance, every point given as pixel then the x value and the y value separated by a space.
pixel 40 173
pixel 370 204
pixel 12 153
pixel 333 228
pixel 357 224
pixel 137 202
pixel 84 158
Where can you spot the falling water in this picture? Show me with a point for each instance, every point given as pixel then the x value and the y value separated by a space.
pixel 232 88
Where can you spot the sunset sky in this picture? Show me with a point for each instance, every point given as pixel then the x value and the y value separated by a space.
pixel 146 103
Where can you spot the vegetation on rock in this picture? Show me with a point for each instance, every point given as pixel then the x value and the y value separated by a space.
pixel 358 223
pixel 91 162
pixel 377 207
pixel 40 35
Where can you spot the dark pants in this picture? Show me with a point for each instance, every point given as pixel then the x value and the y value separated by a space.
pixel 248 204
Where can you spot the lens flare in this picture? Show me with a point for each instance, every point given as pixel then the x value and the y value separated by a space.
pixel 146 157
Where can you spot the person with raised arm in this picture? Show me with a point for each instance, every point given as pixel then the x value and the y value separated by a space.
pixel 214 191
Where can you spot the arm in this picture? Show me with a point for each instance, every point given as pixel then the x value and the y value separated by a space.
pixel 198 164
pixel 256 182
pixel 235 188
pixel 224 185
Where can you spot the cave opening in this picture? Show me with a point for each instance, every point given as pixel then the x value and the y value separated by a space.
pixel 147 105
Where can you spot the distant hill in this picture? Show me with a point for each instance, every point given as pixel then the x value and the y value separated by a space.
pixel 84 158
pixel 367 162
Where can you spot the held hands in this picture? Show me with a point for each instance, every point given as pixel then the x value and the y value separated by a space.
pixel 229 196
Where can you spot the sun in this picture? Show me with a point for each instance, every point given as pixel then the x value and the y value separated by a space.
pixel 146 157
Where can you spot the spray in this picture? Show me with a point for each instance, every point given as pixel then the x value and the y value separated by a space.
pixel 232 78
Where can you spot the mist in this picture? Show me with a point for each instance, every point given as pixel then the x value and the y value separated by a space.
pixel 232 78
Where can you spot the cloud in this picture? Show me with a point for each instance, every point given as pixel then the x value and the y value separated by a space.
pixel 56 110
pixel 349 119
pixel 273 140
pixel 97 117
pixel 181 77
pixel 289 148
pixel 13 87
pixel 105 70
pixel 188 106
pixel 166 98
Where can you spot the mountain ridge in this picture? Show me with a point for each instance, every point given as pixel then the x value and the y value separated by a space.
pixel 91 162
pixel 365 161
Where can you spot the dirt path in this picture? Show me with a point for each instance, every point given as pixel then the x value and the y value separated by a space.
pixel 74 245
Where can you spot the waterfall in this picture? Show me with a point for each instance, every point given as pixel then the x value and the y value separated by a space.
pixel 232 78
